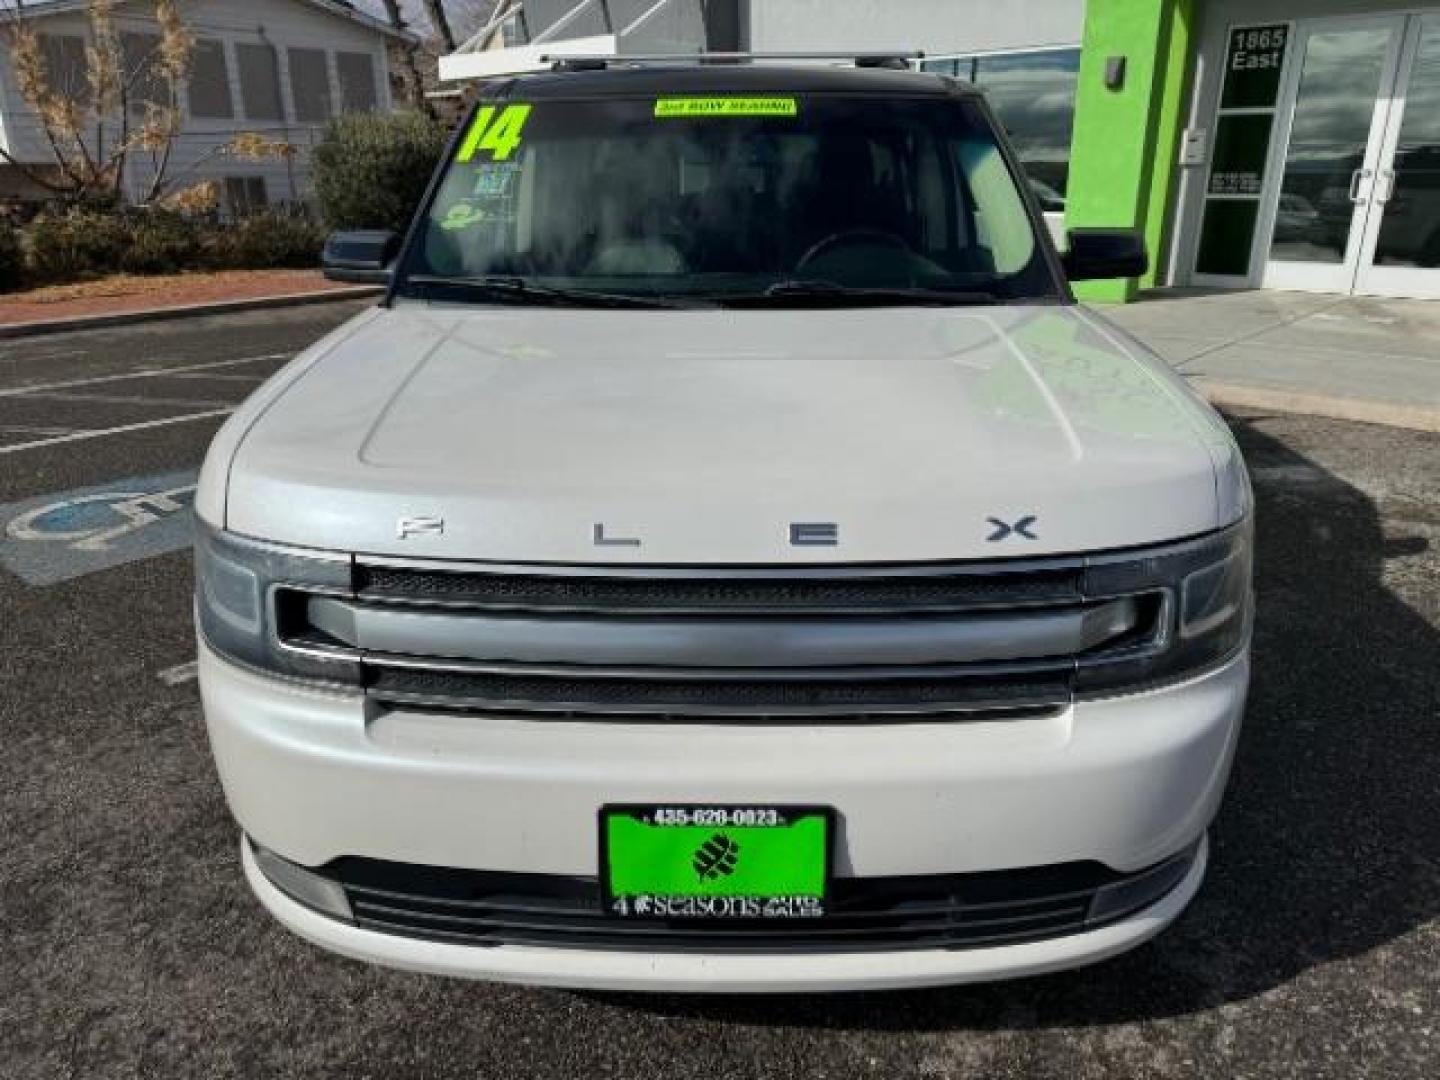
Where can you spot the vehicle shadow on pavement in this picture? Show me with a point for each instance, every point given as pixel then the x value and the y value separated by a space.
pixel 1328 844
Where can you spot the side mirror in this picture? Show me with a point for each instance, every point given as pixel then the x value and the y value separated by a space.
pixel 361 257
pixel 1105 253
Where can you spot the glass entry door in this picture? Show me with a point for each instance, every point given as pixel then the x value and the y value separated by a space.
pixel 1358 205
pixel 1401 254
pixel 1337 101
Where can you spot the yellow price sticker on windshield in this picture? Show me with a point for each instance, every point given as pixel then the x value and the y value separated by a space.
pixel 725 106
pixel 496 135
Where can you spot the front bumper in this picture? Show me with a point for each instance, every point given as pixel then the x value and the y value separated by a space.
pixel 1126 782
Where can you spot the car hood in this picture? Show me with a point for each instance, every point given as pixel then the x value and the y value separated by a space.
pixel 703 436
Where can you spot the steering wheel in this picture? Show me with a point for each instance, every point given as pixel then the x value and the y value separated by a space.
pixel 844 237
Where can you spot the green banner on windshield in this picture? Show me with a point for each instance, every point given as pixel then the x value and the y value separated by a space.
pixel 725 106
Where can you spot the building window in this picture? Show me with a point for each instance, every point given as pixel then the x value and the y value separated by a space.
pixel 65 66
pixel 1033 94
pixel 1240 147
pixel 310 85
pixel 259 82
pixel 209 90
pixel 145 87
pixel 245 194
pixel 357 81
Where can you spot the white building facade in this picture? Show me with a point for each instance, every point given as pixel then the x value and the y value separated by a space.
pixel 278 68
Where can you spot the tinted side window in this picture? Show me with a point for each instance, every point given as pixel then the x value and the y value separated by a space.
pixel 1033 94
pixel 209 91
pixel 65 66
pixel 259 81
pixel 357 81
pixel 145 86
pixel 310 84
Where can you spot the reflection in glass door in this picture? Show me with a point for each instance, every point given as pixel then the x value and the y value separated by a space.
pixel 1402 250
pixel 1338 101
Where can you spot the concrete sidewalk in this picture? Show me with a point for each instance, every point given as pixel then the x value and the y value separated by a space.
pixel 1353 358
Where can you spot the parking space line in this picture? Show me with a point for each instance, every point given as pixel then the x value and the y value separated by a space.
pixel 147 373
pixel 180 673
pixel 218 378
pixel 126 399
pixel 30 354
pixel 81 436
pixel 30 429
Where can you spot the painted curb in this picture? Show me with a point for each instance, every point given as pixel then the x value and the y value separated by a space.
pixel 1363 410
pixel 43 327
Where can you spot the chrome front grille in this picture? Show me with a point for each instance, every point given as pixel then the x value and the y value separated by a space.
pixel 681 590
pixel 843 643
pixel 650 693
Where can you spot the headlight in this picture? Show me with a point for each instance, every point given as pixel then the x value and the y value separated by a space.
pixel 1207 606
pixel 245 592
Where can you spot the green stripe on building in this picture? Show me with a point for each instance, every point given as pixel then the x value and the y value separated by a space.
pixel 1122 158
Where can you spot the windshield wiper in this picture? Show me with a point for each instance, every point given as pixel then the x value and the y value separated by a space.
pixel 518 290
pixel 833 294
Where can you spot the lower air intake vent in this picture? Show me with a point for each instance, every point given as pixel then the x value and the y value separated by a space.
pixel 953 911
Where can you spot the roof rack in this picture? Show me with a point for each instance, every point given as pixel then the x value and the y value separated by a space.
pixel 596 62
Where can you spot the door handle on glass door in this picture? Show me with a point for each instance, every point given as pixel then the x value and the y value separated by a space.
pixel 1358 177
pixel 1385 189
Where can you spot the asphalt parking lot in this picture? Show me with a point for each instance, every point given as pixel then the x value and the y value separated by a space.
pixel 130 947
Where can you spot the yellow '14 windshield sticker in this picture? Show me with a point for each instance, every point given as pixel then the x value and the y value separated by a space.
pixel 496 135
pixel 725 106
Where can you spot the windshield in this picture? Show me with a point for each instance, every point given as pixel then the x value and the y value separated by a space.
pixel 729 200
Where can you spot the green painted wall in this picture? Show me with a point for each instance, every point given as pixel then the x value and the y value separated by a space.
pixel 1122 158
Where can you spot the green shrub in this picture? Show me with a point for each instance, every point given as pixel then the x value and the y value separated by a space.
pixel 74 244
pixel 371 169
pixel 267 241
pixel 12 259
pixel 161 242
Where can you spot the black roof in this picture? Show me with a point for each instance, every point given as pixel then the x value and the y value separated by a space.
pixel 742 78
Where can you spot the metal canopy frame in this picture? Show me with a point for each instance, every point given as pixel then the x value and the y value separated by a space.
pixel 864 59
pixel 515 11
pixel 478 58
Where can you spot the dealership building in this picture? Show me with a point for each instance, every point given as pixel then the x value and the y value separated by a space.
pixel 1287 144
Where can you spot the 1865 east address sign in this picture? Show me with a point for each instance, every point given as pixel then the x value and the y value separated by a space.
pixel 1254 59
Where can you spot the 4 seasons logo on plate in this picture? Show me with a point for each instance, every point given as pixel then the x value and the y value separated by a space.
pixel 719 907
pixel 716 857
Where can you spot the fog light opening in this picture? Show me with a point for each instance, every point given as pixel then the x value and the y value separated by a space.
pixel 302 885
pixel 1124 898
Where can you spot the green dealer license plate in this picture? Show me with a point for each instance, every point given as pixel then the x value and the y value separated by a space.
pixel 715 862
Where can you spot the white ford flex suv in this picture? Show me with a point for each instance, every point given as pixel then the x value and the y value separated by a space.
pixel 728 559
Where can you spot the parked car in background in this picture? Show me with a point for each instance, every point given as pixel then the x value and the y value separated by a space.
pixel 1296 219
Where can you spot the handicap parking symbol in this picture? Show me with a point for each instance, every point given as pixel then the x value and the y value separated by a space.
pixel 65 535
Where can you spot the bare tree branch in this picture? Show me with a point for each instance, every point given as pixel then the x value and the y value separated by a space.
pixel 438 19
pixel 414 79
